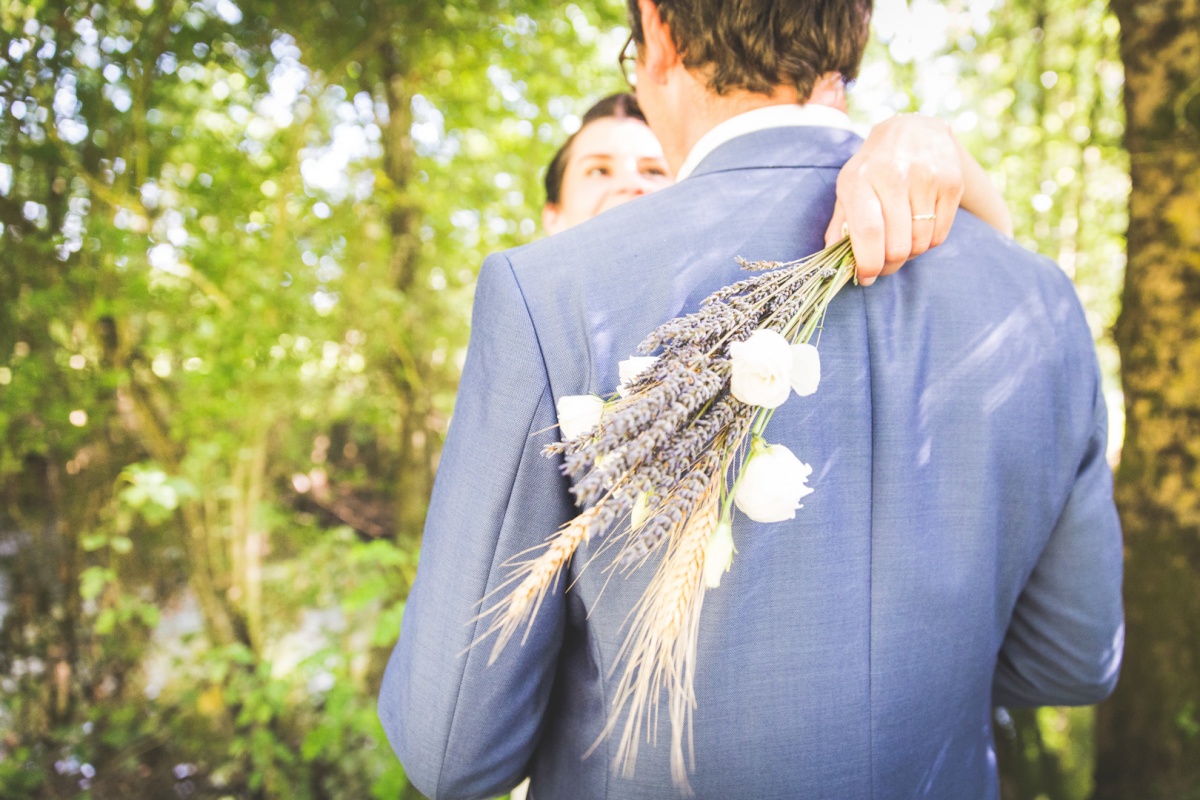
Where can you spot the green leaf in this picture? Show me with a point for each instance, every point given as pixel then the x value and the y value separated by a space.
pixel 93 580
pixel 93 541
pixel 106 621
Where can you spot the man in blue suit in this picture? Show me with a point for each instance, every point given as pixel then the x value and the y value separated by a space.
pixel 961 548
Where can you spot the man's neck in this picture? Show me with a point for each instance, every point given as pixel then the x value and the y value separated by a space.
pixel 701 110
pixel 709 110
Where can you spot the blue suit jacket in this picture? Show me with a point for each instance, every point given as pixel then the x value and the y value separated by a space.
pixel 961 548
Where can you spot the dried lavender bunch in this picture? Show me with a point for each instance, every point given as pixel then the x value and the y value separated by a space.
pixel 665 460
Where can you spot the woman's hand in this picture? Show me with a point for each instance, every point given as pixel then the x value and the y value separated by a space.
pixel 897 196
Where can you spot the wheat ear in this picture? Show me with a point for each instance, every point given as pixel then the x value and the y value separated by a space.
pixel 660 649
pixel 536 576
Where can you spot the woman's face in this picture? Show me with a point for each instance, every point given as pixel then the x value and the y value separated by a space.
pixel 612 160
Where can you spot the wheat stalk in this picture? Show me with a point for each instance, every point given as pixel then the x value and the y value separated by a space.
pixel 660 649
pixel 537 577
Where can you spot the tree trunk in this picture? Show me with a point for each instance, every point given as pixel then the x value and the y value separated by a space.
pixel 414 459
pixel 414 456
pixel 1148 737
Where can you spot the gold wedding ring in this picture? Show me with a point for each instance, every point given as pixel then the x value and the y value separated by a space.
pixel 919 217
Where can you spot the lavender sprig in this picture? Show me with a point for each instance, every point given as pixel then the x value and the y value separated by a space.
pixel 702 387
pixel 672 512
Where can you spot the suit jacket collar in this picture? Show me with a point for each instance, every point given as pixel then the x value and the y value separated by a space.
pixel 781 115
pixel 793 146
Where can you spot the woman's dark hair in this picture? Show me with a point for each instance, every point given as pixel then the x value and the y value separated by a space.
pixel 621 106
pixel 758 45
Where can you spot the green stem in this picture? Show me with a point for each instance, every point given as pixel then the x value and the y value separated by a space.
pixel 800 328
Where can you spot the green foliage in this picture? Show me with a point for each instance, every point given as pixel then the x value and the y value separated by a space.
pixel 19 775
pixel 153 494
pixel 237 246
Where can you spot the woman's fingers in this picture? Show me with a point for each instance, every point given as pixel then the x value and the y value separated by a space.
pixel 948 202
pixel 897 224
pixel 864 221
pixel 837 226
pixel 923 203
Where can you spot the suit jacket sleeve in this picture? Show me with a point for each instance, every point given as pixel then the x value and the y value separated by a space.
pixel 463 729
pixel 1066 637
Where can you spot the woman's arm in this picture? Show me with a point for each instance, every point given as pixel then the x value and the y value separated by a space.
pixel 980 196
pixel 898 195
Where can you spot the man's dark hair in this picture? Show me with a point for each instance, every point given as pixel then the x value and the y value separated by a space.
pixel 621 106
pixel 757 45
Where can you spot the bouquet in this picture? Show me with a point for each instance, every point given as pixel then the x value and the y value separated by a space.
pixel 661 466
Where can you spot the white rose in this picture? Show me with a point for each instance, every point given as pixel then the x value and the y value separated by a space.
pixel 578 414
pixel 762 366
pixel 806 369
pixel 641 510
pixel 631 369
pixel 718 555
pixel 771 484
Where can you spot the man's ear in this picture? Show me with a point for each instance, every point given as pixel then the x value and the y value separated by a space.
pixel 552 219
pixel 657 53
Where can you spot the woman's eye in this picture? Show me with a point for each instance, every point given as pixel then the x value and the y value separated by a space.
pixel 657 172
pixel 596 171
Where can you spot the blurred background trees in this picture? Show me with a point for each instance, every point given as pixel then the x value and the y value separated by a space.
pixel 237 249
pixel 1149 733
pixel 238 242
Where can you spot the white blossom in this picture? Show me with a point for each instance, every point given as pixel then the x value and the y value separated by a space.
pixel 641 510
pixel 806 369
pixel 718 555
pixel 762 367
pixel 578 414
pixel 772 483
pixel 630 369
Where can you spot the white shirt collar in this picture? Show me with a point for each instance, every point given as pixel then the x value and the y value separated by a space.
pixel 758 119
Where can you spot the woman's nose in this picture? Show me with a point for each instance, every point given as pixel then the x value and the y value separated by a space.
pixel 632 181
